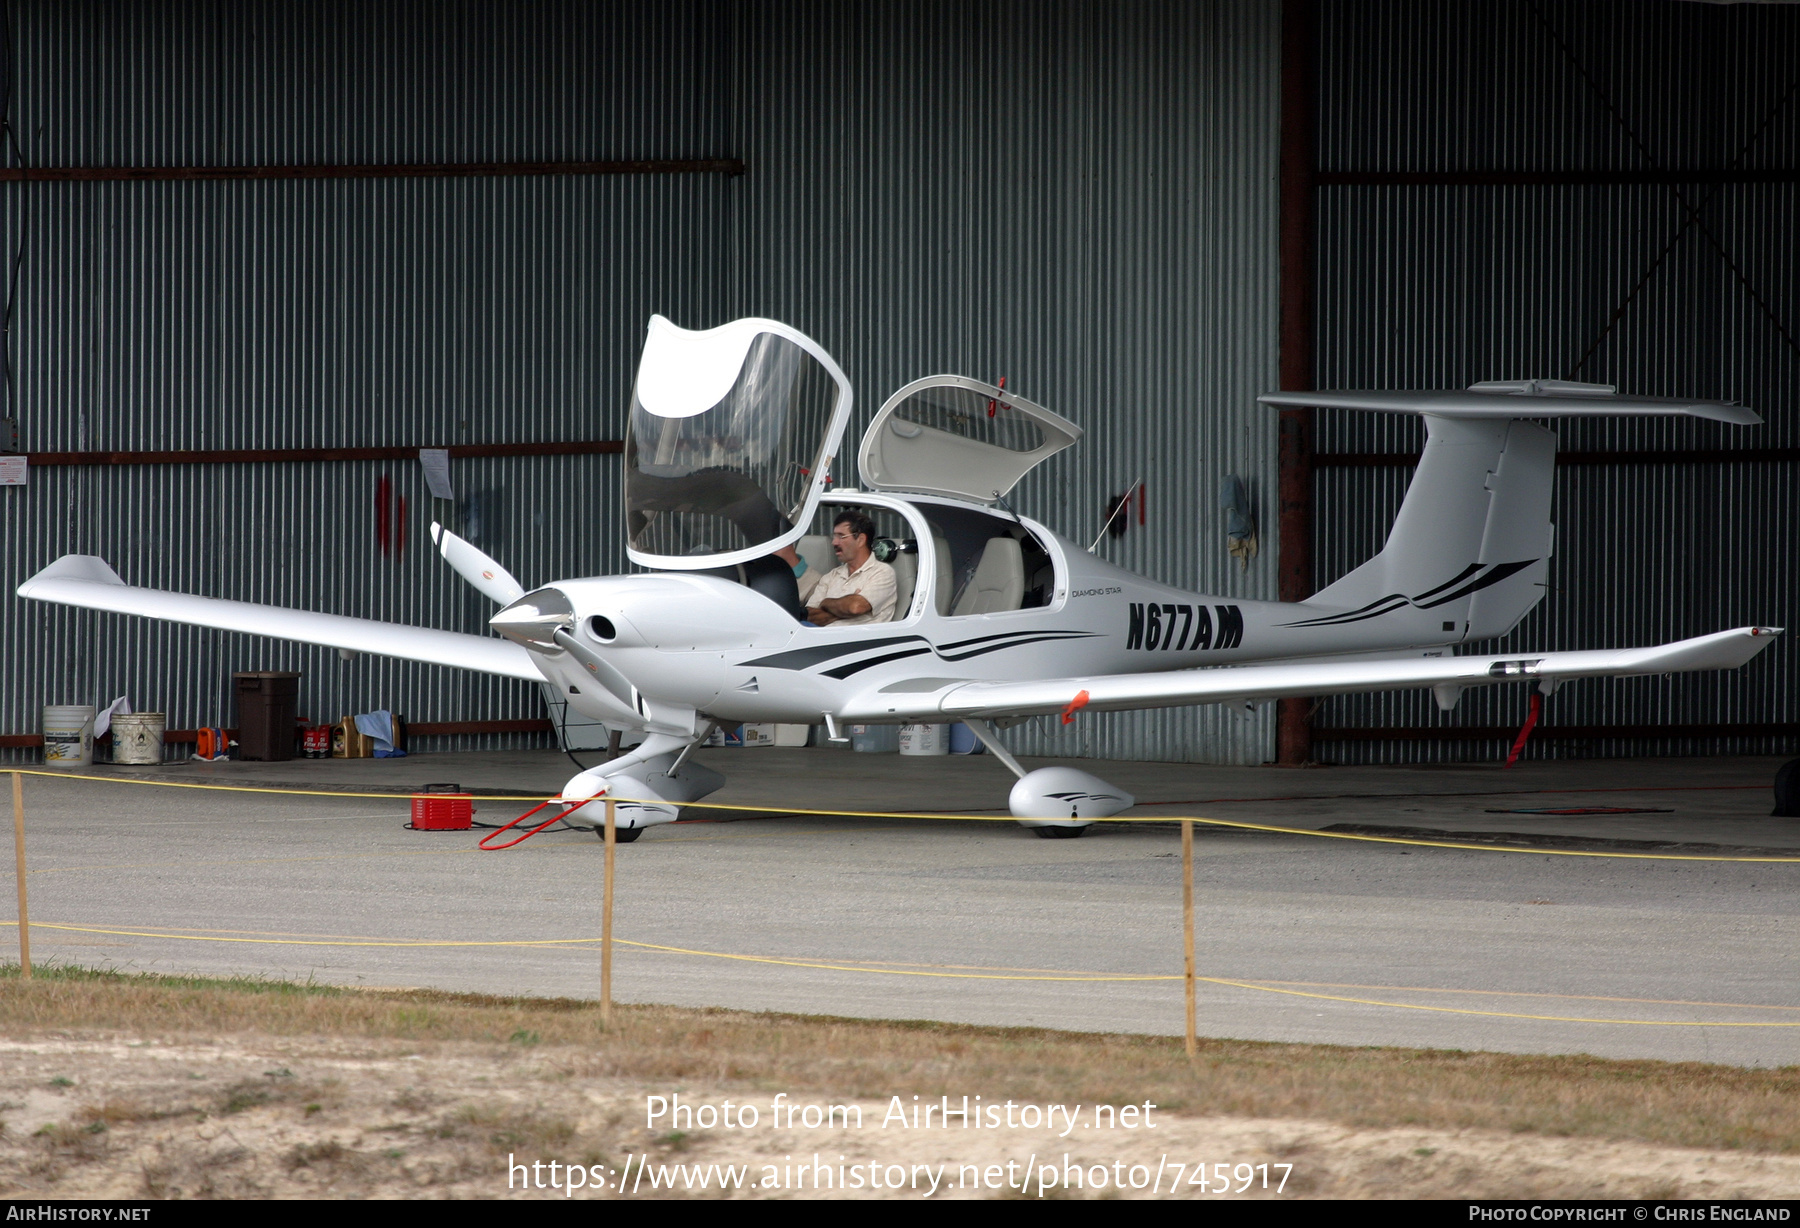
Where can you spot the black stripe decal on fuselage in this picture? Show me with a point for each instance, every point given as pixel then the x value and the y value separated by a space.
pixel 800 658
pixel 857 667
pixel 1452 582
pixel 981 645
pixel 1015 643
pixel 1499 573
pixel 1395 601
pixel 1008 635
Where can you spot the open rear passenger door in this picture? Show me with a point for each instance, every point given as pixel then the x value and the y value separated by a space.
pixel 948 435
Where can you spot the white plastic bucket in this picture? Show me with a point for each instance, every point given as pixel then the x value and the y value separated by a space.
pixel 69 734
pixel 138 737
pixel 924 739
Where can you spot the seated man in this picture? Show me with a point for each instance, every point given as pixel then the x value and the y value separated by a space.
pixel 861 588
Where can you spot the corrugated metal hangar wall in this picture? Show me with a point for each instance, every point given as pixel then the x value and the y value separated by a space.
pixel 1594 191
pixel 1081 197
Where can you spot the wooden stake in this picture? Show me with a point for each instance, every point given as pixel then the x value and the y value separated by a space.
pixel 1187 928
pixel 605 920
pixel 19 861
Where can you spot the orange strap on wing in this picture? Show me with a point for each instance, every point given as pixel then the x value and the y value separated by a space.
pixel 1075 705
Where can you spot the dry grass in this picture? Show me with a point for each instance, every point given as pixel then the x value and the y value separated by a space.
pixel 1678 1104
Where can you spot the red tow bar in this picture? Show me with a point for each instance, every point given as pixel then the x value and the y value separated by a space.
pixel 495 848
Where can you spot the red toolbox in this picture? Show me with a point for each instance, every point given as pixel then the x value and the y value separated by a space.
pixel 442 808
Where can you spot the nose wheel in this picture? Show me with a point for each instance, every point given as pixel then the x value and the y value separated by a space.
pixel 621 835
pixel 1058 833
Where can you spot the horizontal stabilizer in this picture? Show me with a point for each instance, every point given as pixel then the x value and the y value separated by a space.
pixel 85 581
pixel 1519 399
pixel 1176 688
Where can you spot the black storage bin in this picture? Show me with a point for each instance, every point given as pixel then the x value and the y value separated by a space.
pixel 267 702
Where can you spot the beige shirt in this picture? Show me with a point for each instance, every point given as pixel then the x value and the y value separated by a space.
pixel 874 582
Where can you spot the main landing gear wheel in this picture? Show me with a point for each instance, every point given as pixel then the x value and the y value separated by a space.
pixel 1787 791
pixel 1058 833
pixel 621 835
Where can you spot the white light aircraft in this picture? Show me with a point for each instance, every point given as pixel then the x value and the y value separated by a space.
pixel 728 456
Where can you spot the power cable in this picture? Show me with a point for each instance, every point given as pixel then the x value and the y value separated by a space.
pixel 18 156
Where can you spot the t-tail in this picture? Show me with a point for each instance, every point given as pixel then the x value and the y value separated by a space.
pixel 1469 552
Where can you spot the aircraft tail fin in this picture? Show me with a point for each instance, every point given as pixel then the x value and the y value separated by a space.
pixel 1469 552
pixel 1470 549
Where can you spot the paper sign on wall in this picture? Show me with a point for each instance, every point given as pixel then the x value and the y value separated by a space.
pixel 13 470
pixel 436 463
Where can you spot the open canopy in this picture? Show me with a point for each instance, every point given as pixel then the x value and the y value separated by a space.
pixel 947 435
pixel 730 442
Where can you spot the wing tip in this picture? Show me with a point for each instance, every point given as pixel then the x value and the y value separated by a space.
pixel 89 567
pixel 1736 415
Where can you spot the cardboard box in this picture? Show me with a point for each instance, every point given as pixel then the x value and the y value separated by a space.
pixel 759 735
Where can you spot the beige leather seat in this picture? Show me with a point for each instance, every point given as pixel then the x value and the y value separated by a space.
pixel 999 580
pixel 946 580
pixel 815 548
pixel 906 577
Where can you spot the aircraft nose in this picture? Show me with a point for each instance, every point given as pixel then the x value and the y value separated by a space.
pixel 534 619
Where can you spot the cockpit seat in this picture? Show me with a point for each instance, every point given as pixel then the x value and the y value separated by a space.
pixel 945 578
pixel 906 578
pixel 998 582
pixel 815 548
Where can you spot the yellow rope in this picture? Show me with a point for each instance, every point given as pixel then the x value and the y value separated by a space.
pixel 956 976
pixel 309 942
pixel 183 784
pixel 1452 1010
pixel 563 942
pixel 980 976
pixel 976 818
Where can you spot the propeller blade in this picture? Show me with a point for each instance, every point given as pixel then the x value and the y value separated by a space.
pixel 604 673
pixel 475 567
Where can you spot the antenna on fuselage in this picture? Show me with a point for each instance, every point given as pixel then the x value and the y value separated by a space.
pixel 1124 502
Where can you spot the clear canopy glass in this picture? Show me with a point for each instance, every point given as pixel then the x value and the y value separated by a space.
pixel 720 461
pixel 948 435
pixel 966 413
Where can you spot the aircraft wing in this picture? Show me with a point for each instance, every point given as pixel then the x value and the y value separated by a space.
pixel 85 580
pixel 1176 688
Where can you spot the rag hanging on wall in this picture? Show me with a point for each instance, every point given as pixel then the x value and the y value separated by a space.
pixel 390 519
